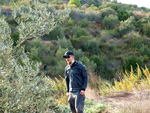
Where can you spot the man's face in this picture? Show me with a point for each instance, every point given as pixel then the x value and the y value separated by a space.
pixel 69 58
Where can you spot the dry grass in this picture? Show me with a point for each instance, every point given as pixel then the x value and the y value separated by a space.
pixel 137 107
pixel 129 95
pixel 135 102
pixel 92 94
pixel 129 107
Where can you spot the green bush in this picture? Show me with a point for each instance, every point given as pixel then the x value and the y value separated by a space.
pixel 94 2
pixel 38 50
pixel 110 21
pixel 56 33
pixel 15 37
pixel 64 43
pixel 77 31
pixel 144 50
pixel 141 24
pixel 137 41
pixel 78 42
pixel 145 59
pixel 147 29
pixel 107 11
pixel 131 61
pixel 78 54
pixel 70 22
pixel 10 20
pixel 126 26
pixel 92 47
pixel 99 63
pixel 76 2
pixel 59 67
pixel 84 23
pixel 113 5
pixel 75 13
pixel 34 54
pixel 93 15
pixel 122 14
pixel 51 8
pixel 91 66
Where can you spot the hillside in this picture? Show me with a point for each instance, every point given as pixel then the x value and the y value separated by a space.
pixel 111 39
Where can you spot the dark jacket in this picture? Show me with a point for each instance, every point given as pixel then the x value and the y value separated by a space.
pixel 76 77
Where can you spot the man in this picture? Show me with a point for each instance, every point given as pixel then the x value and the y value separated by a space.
pixel 76 82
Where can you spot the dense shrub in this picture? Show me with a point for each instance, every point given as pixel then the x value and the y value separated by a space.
pixel 92 15
pixel 59 67
pixel 110 21
pixel 34 54
pixel 78 42
pixel 107 11
pixel 145 58
pixel 70 22
pixel 76 13
pixel 83 23
pixel 56 33
pixel 105 35
pixel 92 7
pixel 10 20
pixel 90 65
pixel 99 63
pixel 137 41
pixel 126 26
pixel 114 6
pixel 51 8
pixel 92 47
pixel 78 54
pixel 77 31
pixel 131 61
pixel 94 2
pixel 141 23
pixel 122 14
pixel 56 2
pixel 38 50
pixel 64 43
pixel 15 37
pixel 144 50
pixel 147 29
pixel 75 2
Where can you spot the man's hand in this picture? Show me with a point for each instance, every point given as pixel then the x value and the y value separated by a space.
pixel 82 92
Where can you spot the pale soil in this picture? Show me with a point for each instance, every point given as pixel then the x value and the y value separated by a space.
pixel 123 102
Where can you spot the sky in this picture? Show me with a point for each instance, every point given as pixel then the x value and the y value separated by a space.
pixel 139 3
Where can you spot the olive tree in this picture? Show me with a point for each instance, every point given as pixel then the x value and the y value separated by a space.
pixel 21 89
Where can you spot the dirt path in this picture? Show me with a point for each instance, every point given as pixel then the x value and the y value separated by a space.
pixel 123 102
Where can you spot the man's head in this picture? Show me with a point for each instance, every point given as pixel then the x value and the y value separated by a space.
pixel 69 56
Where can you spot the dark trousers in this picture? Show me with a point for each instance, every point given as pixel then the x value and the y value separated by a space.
pixel 76 102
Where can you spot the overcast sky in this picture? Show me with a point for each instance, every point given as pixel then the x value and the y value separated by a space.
pixel 139 3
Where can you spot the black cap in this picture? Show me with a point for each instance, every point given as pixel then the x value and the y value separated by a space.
pixel 68 53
